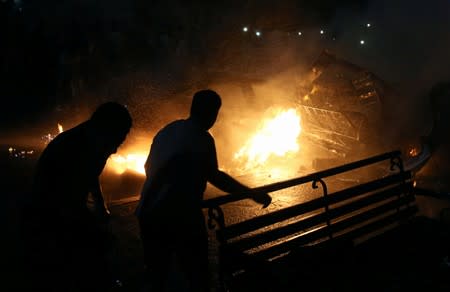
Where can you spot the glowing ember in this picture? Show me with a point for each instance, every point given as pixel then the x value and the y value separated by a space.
pixel 121 163
pixel 49 137
pixel 413 152
pixel 276 136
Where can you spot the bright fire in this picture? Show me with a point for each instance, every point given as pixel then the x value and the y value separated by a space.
pixel 129 162
pixel 277 136
pixel 60 128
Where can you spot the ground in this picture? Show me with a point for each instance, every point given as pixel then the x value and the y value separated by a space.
pixel 410 259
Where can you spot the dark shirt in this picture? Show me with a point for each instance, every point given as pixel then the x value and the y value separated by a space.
pixel 67 170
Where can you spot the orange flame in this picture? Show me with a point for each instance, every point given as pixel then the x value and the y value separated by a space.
pixel 276 136
pixel 60 128
pixel 413 152
pixel 130 162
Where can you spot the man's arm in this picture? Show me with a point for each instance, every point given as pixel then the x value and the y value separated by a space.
pixel 99 203
pixel 228 184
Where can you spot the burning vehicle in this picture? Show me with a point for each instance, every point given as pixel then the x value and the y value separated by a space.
pixel 335 114
pixel 343 108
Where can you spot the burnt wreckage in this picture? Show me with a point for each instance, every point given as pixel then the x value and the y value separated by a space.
pixel 341 107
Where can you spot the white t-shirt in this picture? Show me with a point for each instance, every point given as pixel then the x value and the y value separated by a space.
pixel 186 155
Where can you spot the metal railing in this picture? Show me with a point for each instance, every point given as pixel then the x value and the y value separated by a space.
pixel 314 178
pixel 216 214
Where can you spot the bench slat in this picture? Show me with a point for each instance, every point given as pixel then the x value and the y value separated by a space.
pixel 302 208
pixel 406 213
pixel 242 261
pixel 342 225
pixel 312 221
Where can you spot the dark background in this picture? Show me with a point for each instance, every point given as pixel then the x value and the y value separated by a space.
pixel 56 55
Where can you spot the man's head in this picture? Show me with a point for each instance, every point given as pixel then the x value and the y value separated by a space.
pixel 111 123
pixel 205 107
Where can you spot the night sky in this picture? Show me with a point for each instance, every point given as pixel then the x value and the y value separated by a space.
pixel 57 55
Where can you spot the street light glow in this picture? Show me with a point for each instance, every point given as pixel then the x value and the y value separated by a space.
pixel 362 42
pixel 322 31
pixel 245 29
pixel 258 33
pixel 299 33
pixel 368 25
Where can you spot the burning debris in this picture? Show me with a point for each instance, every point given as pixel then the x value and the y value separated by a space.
pixel 276 137
pixel 128 162
pixel 49 137
pixel 342 111
pixel 27 153
pixel 334 113
pixel 341 107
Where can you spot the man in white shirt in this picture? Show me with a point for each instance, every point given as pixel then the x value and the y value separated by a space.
pixel 182 160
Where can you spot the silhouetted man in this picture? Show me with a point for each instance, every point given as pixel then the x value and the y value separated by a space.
pixel 66 245
pixel 182 160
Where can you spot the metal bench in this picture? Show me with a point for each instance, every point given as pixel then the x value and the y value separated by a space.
pixel 343 218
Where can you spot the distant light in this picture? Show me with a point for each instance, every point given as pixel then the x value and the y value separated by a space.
pixel 258 33
pixel 362 42
pixel 299 33
pixel 245 29
pixel 368 25
pixel 322 31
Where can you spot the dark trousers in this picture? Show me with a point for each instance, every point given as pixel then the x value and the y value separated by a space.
pixel 176 252
pixel 62 255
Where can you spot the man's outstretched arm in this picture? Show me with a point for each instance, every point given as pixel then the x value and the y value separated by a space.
pixel 228 184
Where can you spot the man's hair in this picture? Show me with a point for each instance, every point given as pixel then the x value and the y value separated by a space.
pixel 112 115
pixel 204 102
